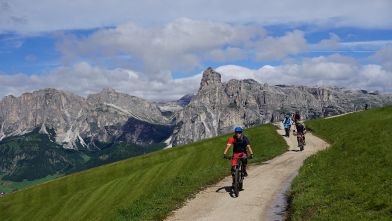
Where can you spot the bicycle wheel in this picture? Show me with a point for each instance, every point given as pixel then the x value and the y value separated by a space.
pixel 236 181
pixel 241 178
pixel 238 177
pixel 301 143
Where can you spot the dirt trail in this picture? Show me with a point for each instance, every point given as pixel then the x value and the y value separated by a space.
pixel 261 188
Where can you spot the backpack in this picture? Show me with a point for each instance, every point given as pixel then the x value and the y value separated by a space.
pixel 286 120
pixel 240 144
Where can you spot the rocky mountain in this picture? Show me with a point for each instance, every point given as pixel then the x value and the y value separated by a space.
pixel 49 131
pixel 55 132
pixel 83 123
pixel 218 107
pixel 131 106
pixel 171 107
pixel 34 155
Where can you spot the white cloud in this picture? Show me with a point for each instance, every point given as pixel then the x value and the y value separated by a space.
pixel 181 44
pixel 335 70
pixel 9 17
pixel 227 54
pixel 333 42
pixel 384 56
pixel 83 79
pixel 49 15
pixel 184 44
pixel 374 76
pixel 272 48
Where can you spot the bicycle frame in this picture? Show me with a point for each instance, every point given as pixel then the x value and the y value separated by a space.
pixel 301 138
pixel 238 175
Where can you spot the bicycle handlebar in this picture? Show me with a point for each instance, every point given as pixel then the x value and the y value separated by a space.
pixel 232 157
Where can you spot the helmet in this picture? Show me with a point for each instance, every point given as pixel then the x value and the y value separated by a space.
pixel 238 130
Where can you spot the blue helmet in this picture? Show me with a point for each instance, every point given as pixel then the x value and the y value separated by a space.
pixel 238 130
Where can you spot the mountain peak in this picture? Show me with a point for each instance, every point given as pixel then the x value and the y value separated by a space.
pixel 184 100
pixel 107 90
pixel 210 78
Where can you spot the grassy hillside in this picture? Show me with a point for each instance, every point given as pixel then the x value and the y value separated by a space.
pixel 9 186
pixel 147 187
pixel 353 179
pixel 33 158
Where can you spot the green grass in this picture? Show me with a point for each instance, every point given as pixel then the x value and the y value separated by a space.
pixel 9 186
pixel 33 158
pixel 147 187
pixel 352 180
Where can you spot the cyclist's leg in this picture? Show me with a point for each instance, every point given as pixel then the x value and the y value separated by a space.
pixel 244 164
pixel 233 164
pixel 302 138
pixel 232 175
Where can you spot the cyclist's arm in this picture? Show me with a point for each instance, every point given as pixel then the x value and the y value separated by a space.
pixel 229 143
pixel 249 149
pixel 227 148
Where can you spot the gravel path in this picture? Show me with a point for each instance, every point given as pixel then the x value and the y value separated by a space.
pixel 262 188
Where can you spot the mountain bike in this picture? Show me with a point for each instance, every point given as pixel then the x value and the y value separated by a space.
pixel 301 141
pixel 238 175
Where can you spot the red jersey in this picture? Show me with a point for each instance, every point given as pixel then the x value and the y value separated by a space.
pixel 239 144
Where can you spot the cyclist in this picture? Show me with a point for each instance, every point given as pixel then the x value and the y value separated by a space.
pixel 241 144
pixel 296 117
pixel 287 122
pixel 300 131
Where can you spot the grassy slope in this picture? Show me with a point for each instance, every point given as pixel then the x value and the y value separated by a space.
pixel 143 188
pixel 353 179
pixel 9 186
pixel 40 159
pixel 35 156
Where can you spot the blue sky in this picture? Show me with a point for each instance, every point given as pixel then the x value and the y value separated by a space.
pixel 85 47
pixel 37 54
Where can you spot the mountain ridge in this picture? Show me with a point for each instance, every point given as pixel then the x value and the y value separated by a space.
pixel 74 117
pixel 103 121
pixel 220 106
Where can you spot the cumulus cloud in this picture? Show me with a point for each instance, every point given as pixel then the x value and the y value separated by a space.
pixel 181 44
pixel 384 56
pixel 335 70
pixel 333 42
pixel 83 78
pixel 227 54
pixel 49 15
pixel 9 17
pixel 272 48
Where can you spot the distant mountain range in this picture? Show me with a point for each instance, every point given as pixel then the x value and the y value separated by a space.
pixel 59 132
pixel 55 132
pixel 81 123
pixel 219 106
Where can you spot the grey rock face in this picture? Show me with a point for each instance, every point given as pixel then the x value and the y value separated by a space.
pixel 171 107
pixel 129 105
pixel 184 100
pixel 219 107
pixel 216 109
pixel 78 121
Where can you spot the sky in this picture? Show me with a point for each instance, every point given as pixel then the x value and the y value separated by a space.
pixel 158 49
